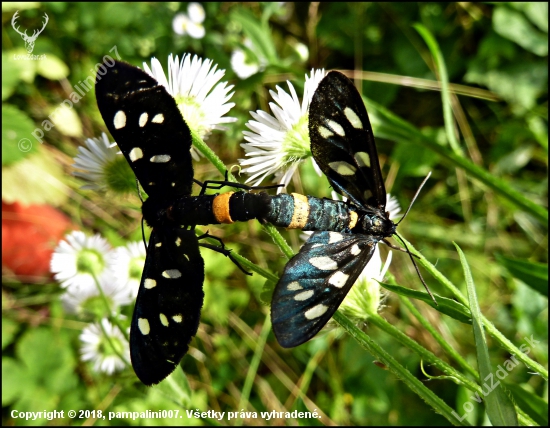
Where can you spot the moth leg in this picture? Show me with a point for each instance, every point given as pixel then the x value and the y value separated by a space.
pixel 395 247
pixel 218 184
pixel 222 250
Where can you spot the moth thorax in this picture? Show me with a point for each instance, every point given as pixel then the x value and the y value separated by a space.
pixel 376 225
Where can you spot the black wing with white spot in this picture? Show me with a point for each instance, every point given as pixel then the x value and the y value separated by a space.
pixel 315 282
pixel 342 142
pixel 168 306
pixel 147 125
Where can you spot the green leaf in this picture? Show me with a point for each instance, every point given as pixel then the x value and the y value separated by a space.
pixel 530 403
pixel 534 275
pixel 40 187
pixel 513 26
pixel 48 359
pixel 176 388
pixel 9 328
pixel 444 305
pixel 52 68
pixel 499 407
pixel 17 140
pixel 259 34
pixel 267 292
pixel 13 71
pixel 15 380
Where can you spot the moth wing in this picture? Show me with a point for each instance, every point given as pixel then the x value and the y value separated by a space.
pixel 342 141
pixel 315 282
pixel 148 127
pixel 168 306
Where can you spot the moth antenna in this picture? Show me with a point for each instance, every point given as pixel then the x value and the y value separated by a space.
pixel 416 266
pixel 414 198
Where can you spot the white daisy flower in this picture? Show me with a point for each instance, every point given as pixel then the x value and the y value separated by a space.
pixel 99 350
pixel 280 142
pixel 243 65
pixel 127 266
pixel 79 258
pixel 190 23
pixel 85 299
pixel 248 60
pixel 392 206
pixel 193 83
pixel 96 162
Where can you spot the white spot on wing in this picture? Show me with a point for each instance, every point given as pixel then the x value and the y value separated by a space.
pixel 362 159
pixel 294 286
pixel 163 320
pixel 160 158
pixel 353 118
pixel 323 263
pixel 159 118
pixel 177 318
pixel 120 120
pixel 143 326
pixel 171 274
pixel 338 279
pixel 304 295
pixel 335 237
pixel 135 154
pixel 336 127
pixel 325 133
pixel 355 250
pixel 143 119
pixel 178 241
pixel 149 283
pixel 342 168
pixel 158 244
pixel 315 312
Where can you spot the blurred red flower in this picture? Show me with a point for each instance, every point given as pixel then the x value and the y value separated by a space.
pixel 30 233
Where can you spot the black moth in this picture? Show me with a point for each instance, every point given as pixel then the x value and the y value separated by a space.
pixel 318 278
pixel 151 133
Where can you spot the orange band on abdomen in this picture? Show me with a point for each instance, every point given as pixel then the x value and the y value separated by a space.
pixel 220 207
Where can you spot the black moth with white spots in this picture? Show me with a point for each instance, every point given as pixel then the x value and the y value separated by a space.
pixel 318 278
pixel 151 133
pixel 153 136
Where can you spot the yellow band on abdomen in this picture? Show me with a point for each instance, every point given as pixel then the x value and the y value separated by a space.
pixel 301 212
pixel 353 217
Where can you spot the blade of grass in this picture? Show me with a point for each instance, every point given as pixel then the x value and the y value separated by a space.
pixel 491 329
pixel 392 127
pixel 397 369
pixel 442 342
pixel 253 368
pixel 499 407
pixel 444 78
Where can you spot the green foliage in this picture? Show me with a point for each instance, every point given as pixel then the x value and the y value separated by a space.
pixel 485 139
